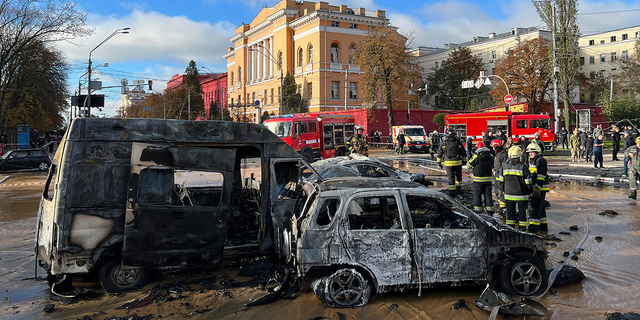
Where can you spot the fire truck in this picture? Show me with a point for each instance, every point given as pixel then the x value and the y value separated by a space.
pixel 513 125
pixel 314 135
pixel 414 136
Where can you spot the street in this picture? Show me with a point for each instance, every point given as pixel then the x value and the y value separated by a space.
pixel 612 284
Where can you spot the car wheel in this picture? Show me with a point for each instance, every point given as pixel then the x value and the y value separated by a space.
pixel 308 155
pixel 524 276
pixel 346 288
pixel 43 166
pixel 116 280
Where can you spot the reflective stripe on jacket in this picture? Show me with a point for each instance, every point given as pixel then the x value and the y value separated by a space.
pixel 539 173
pixel 452 152
pixel 482 165
pixel 516 180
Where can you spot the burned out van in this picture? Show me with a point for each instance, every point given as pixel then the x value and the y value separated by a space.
pixel 124 196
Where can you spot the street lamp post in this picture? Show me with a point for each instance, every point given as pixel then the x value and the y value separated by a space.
pixel 221 92
pixel 123 30
pixel 274 60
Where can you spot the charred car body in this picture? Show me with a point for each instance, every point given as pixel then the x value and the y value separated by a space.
pixel 362 235
pixel 135 194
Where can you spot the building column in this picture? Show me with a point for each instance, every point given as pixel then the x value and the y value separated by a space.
pixel 248 68
pixel 255 60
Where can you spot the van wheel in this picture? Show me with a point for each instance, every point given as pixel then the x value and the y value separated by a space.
pixel 345 288
pixel 116 280
pixel 307 155
pixel 524 276
pixel 43 166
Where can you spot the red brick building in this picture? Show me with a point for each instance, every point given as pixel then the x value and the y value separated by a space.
pixel 214 88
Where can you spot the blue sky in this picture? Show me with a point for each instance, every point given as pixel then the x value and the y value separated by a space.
pixel 166 35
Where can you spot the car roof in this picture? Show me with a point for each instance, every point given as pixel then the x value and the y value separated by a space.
pixel 32 149
pixel 361 183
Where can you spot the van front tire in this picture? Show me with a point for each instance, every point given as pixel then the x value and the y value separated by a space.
pixel 114 279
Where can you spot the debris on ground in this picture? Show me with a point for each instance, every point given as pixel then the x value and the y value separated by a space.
pixel 565 232
pixel 131 317
pixel 49 307
pixel 568 275
pixel 489 300
pixel 566 253
pixel 620 316
pixel 608 213
pixel 461 304
pixel 551 237
pixel 573 227
pixel 287 289
pixel 574 257
pixel 395 306
pixel 598 238
pixel 551 244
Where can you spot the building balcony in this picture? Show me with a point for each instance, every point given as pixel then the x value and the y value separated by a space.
pixel 298 70
pixel 335 66
pixel 308 68
pixel 354 68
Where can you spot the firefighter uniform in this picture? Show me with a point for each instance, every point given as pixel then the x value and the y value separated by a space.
pixel 501 157
pixel 540 179
pixel 633 154
pixel 358 143
pixel 516 183
pixel 452 151
pixel 482 165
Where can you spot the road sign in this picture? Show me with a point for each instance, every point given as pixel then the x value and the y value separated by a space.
pixel 508 99
pixel 257 102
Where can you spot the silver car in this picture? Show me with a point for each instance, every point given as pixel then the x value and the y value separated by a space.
pixel 363 235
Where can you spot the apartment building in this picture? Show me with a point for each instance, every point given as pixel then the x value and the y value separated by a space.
pixel 602 52
pixel 314 41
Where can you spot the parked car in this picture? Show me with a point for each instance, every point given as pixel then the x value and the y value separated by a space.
pixel 25 159
pixel 356 165
pixel 358 236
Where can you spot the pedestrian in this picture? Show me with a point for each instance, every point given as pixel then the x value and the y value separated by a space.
pixel 583 142
pixel 540 183
pixel 452 152
pixel 500 158
pixel 377 137
pixel 401 142
pixel 615 139
pixel 628 142
pixel 633 153
pixel 515 180
pixel 500 136
pixel 3 137
pixel 482 165
pixel 565 138
pixel 523 142
pixel 598 131
pixel 485 137
pixel 358 143
pixel 434 142
pixel 589 147
pixel 598 143
pixel 575 145
pixel 468 146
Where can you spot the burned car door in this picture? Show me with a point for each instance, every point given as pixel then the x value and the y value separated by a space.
pixel 177 208
pixel 448 245
pixel 377 236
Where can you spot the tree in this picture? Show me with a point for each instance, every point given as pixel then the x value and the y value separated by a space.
pixel 444 85
pixel 388 69
pixel 593 86
pixel 32 72
pixel 438 119
pixel 265 116
pixel 187 97
pixel 214 111
pixel 526 70
pixel 629 77
pixel 292 99
pixel 567 35
pixel 155 101
pixel 622 108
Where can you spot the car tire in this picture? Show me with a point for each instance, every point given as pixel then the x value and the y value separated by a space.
pixel 524 275
pixel 308 155
pixel 43 166
pixel 115 280
pixel 345 288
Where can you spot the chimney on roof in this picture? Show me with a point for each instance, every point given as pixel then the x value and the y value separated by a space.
pixel 492 35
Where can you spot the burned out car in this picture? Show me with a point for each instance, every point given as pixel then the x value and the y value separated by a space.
pixel 359 236
pixel 356 165
pixel 131 195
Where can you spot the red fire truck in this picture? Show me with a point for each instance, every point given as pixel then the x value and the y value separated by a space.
pixel 314 135
pixel 514 125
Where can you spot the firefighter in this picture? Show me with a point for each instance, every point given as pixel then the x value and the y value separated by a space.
pixel 482 165
pixel 515 180
pixel 452 151
pixel 358 143
pixel 435 143
pixel 540 182
pixel 500 158
pixel 633 154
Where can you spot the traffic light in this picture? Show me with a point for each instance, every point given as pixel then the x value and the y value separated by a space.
pixel 408 118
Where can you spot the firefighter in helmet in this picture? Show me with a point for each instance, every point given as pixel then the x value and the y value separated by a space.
pixel 540 180
pixel 452 152
pixel 500 158
pixel 482 165
pixel 358 143
pixel 515 180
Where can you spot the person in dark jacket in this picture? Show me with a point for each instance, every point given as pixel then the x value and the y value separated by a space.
pixel 401 142
pixel 500 158
pixel 565 138
pixel 598 143
pixel 468 146
pixel 452 152
pixel 434 141
pixel 615 139
pixel 589 147
pixel 633 153
pixel 583 142
pixel 540 182
pixel 515 180
pixel 482 165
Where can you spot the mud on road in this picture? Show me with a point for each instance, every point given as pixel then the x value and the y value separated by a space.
pixel 612 284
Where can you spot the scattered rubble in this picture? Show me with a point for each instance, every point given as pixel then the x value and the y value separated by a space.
pixel 574 257
pixel 620 316
pixel 461 304
pixel 608 212
pixel 551 237
pixel 568 275
pixel 565 232
pixel 566 253
pixel 573 227
pixel 49 307
pixel 551 244
pixel 598 238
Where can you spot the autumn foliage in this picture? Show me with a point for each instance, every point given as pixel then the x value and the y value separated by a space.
pixel 526 71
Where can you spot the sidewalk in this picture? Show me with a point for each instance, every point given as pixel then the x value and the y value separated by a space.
pixel 559 162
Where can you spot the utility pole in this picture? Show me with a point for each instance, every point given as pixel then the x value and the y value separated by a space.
pixel 346 89
pixel 556 71
pixel 611 91
pixel 189 104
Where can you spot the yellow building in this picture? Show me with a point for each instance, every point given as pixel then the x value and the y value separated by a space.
pixel 314 42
